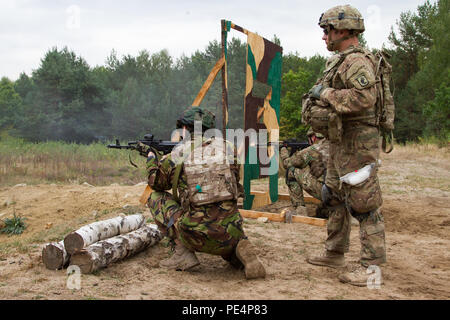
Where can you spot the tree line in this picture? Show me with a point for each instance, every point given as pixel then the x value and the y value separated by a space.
pixel 66 99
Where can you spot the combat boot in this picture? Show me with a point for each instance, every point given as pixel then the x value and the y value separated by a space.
pixel 182 259
pixel 362 277
pixel 253 268
pixel 329 259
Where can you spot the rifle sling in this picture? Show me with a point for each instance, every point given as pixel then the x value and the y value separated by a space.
pixel 176 176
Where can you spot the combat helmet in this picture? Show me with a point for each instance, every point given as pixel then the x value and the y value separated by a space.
pixel 341 18
pixel 192 114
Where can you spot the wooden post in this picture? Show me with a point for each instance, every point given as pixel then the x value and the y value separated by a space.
pixel 224 80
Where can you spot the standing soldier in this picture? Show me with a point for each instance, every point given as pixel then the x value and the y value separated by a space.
pixel 201 213
pixel 306 171
pixel 346 96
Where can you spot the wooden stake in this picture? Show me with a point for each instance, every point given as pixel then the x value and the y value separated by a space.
pixel 212 75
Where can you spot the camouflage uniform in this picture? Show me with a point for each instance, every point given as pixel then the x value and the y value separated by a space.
pixel 299 174
pixel 214 228
pixel 349 88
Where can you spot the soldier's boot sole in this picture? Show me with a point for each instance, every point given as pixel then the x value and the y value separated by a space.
pixel 253 268
pixel 324 261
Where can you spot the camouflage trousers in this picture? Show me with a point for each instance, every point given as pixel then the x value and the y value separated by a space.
pixel 214 229
pixel 302 179
pixel 360 146
pixel 371 235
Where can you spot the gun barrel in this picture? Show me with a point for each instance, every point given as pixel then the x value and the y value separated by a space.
pixel 118 146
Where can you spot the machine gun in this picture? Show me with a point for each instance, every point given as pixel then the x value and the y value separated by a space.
pixel 145 145
pixel 294 145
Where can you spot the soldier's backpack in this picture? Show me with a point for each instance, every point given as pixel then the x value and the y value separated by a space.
pixel 385 108
pixel 208 174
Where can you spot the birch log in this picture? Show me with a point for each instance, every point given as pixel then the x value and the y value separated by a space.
pixel 101 230
pixel 106 252
pixel 55 256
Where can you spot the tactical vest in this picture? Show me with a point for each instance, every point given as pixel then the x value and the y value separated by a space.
pixel 330 124
pixel 208 174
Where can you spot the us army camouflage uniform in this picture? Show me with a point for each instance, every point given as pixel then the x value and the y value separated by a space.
pixel 351 92
pixel 299 176
pixel 214 228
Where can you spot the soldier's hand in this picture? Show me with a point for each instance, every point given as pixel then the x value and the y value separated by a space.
pixel 316 91
pixel 317 168
pixel 284 153
pixel 142 148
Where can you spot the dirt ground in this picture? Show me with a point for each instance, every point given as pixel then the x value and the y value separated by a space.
pixel 417 217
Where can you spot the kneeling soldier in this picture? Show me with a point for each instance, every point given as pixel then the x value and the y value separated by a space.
pixel 201 214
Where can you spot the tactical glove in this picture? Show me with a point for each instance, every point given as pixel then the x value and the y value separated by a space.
pixel 316 91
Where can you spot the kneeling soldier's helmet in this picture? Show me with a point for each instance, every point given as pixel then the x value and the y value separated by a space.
pixel 192 114
pixel 341 18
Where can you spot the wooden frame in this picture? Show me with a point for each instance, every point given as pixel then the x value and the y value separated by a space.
pixel 260 198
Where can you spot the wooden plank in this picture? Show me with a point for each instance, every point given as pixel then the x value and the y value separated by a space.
pixel 308 199
pixel 145 195
pixel 212 75
pixel 277 217
pixel 238 28
pixel 256 214
pixel 310 220
pixel 261 199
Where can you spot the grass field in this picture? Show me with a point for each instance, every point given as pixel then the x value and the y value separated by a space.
pixel 66 163
pixel 71 163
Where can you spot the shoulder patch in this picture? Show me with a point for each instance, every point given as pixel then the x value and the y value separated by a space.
pixel 362 80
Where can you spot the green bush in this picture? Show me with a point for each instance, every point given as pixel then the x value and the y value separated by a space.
pixel 14 225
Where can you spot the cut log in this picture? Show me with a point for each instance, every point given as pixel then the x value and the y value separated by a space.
pixel 55 256
pixel 106 252
pixel 101 230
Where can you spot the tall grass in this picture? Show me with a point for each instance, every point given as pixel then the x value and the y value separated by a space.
pixel 61 162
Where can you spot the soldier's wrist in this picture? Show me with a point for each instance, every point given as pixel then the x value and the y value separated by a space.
pixel 325 93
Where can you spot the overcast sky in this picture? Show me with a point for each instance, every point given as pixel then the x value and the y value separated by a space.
pixel 93 28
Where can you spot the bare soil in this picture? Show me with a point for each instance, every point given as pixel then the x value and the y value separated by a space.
pixel 417 218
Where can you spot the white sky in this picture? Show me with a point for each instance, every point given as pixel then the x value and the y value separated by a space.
pixel 93 28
